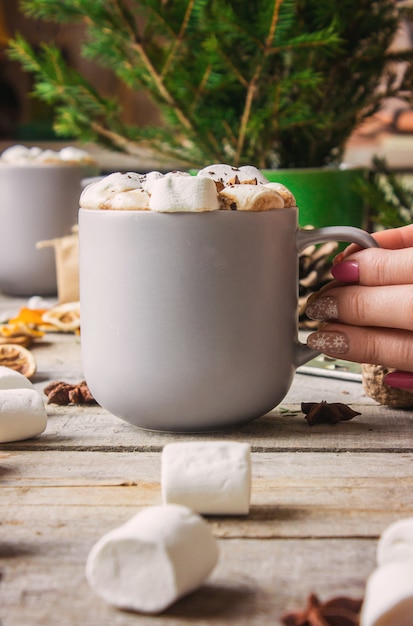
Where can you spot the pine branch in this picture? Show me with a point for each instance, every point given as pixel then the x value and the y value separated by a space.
pixel 252 87
pixel 388 199
pixel 280 82
pixel 179 39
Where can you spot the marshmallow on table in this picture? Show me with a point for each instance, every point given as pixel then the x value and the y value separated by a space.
pixel 396 542
pixel 388 598
pixel 10 379
pixel 161 554
pixel 177 193
pixel 210 477
pixel 246 197
pixel 22 414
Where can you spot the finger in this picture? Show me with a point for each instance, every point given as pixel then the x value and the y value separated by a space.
pixel 394 238
pixel 388 347
pixel 387 307
pixel 376 266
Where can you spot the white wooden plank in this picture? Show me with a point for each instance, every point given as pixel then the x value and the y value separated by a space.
pixel 292 494
pixel 91 427
pixel 43 581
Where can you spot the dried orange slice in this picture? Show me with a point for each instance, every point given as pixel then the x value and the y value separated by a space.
pixel 28 316
pixel 17 358
pixel 31 318
pixel 65 317
pixel 19 333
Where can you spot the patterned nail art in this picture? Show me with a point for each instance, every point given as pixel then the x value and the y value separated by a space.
pixel 324 308
pixel 329 342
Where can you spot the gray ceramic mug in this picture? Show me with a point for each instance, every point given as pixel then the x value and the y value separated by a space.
pixel 37 202
pixel 189 320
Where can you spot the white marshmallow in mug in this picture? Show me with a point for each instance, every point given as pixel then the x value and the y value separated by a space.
pixel 388 599
pixel 396 542
pixel 148 179
pixel 210 477
pixel 285 193
pixel 219 172
pixel 249 172
pixel 160 555
pixel 102 193
pixel 22 414
pixel 20 154
pixel 172 194
pixel 249 197
pixel 223 173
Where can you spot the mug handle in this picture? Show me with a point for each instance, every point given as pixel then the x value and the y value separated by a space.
pixel 305 238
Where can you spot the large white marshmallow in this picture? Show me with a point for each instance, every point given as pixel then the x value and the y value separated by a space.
pixel 22 155
pixel 210 477
pixel 22 414
pixel 74 155
pixel 388 599
pixel 249 172
pixel 10 379
pixel 247 197
pixel 223 173
pixel 161 554
pixel 102 193
pixel 131 199
pixel 148 180
pixel 219 172
pixel 285 193
pixel 18 154
pixel 396 542
pixel 172 194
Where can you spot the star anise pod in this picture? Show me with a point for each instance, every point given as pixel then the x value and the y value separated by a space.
pixel 339 611
pixel 62 393
pixel 327 412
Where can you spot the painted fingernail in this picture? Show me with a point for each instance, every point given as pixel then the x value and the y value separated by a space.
pixel 324 308
pixel 329 342
pixel 347 272
pixel 399 380
pixel 338 258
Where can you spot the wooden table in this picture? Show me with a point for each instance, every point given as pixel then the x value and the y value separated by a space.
pixel 321 496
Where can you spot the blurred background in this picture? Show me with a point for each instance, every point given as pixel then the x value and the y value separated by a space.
pixel 28 120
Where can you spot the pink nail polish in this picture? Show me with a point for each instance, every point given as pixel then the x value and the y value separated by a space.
pixel 399 380
pixel 346 272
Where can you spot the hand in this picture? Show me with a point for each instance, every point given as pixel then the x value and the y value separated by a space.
pixel 368 310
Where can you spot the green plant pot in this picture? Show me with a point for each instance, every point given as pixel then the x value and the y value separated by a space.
pixel 325 197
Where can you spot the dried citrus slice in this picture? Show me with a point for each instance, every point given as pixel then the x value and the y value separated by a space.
pixel 28 316
pixel 17 358
pixel 19 333
pixel 64 317
pixel 21 340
